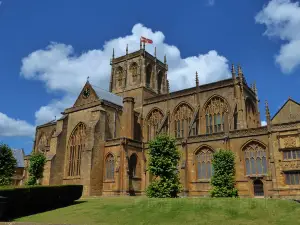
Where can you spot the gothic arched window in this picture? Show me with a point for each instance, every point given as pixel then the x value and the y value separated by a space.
pixel 182 118
pixel 75 147
pixel 133 168
pixel 255 159
pixel 109 167
pixel 154 119
pixel 148 75
pixel 204 163
pixel 133 71
pixel 214 115
pixel 250 113
pixel 119 76
pixel 43 143
pixel 159 81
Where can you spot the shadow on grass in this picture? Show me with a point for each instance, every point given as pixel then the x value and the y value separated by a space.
pixel 11 216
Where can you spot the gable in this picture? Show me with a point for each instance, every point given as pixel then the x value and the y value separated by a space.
pixel 86 96
pixel 289 112
pixel 96 94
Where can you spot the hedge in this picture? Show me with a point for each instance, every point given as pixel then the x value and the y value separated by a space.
pixel 33 199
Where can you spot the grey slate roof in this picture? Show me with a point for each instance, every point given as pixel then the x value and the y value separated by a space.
pixel 108 96
pixel 19 156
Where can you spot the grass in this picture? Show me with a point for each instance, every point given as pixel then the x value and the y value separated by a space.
pixel 140 210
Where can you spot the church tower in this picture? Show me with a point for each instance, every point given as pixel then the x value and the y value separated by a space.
pixel 138 74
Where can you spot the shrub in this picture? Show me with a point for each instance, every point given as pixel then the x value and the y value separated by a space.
pixel 7 165
pixel 163 160
pixel 29 200
pixel 36 168
pixel 224 171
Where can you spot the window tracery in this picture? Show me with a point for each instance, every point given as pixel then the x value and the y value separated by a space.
pixel 75 147
pixel 43 143
pixel 214 115
pixel 182 119
pixel 134 71
pixel 255 159
pixel 204 163
pixel 119 76
pixel 153 121
pixel 109 167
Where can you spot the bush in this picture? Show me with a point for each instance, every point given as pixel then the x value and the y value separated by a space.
pixel 163 161
pixel 36 168
pixel 7 165
pixel 224 171
pixel 29 200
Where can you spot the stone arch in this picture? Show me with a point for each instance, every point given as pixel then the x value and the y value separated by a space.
pixel 52 133
pixel 153 121
pixel 181 117
pixel 250 113
pixel 203 158
pixel 149 71
pixel 119 76
pixel 134 166
pixel 160 77
pixel 76 144
pixel 214 112
pixel 255 158
pixel 42 143
pixel 133 68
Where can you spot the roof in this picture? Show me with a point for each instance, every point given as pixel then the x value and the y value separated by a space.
pixel 52 122
pixel 108 96
pixel 284 105
pixel 19 156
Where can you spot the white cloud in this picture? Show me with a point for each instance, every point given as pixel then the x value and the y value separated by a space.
pixel 282 20
pixel 61 69
pixel 264 123
pixel 48 112
pixel 211 2
pixel 14 127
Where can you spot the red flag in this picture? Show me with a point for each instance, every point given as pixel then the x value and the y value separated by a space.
pixel 146 40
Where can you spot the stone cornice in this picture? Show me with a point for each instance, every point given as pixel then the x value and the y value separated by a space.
pixel 206 137
pixel 46 125
pixel 286 126
pixel 248 132
pixel 137 54
pixel 190 91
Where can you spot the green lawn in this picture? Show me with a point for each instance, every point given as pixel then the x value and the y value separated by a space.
pixel 140 210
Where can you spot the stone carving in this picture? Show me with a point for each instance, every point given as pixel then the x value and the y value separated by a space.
pixel 289 142
pixel 119 75
pixel 284 126
pixel 248 132
pixel 216 105
pixel 183 112
pixel 155 117
pixel 43 144
pixel 134 71
pixel 286 165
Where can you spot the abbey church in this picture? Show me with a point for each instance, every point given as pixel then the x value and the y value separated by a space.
pixel 101 141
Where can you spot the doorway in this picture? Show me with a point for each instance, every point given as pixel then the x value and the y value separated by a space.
pixel 258 188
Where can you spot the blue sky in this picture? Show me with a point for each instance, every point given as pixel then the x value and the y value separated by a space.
pixel 48 48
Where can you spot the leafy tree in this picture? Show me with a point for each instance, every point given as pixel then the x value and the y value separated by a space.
pixel 37 162
pixel 8 165
pixel 224 171
pixel 163 161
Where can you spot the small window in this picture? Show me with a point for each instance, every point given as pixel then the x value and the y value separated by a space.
pixel 204 164
pixel 109 167
pixel 291 154
pixel 292 178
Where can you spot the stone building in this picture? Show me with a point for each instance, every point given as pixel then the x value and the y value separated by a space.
pixel 19 174
pixel 101 141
